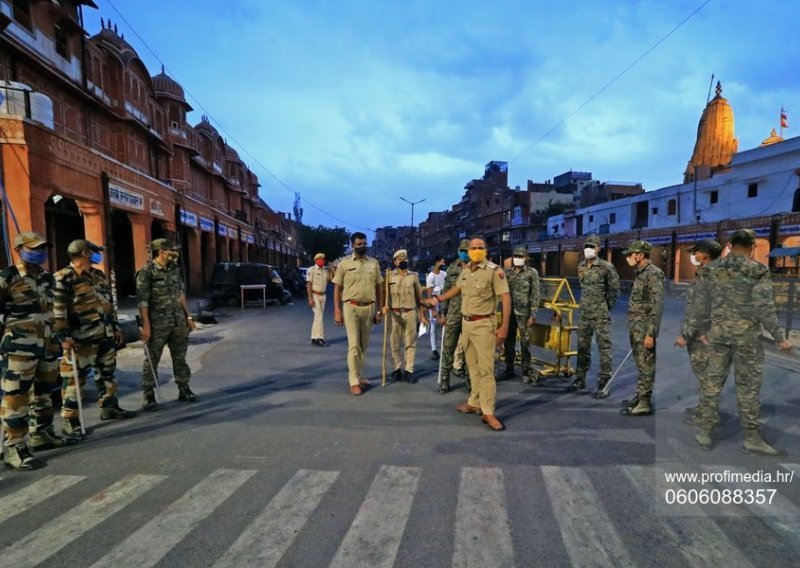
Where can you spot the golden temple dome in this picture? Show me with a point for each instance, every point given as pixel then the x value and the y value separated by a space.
pixel 716 143
pixel 773 137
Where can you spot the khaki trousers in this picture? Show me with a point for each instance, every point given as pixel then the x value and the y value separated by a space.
pixel 358 325
pixel 478 338
pixel 403 326
pixel 317 330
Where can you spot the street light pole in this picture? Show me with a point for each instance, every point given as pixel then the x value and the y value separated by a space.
pixel 412 203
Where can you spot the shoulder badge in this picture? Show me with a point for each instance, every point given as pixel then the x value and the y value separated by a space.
pixel 502 275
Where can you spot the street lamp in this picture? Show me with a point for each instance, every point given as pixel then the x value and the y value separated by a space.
pixel 412 203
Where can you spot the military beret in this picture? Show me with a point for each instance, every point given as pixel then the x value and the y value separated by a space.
pixel 520 251
pixel 708 246
pixel 163 244
pixel 319 255
pixel 744 237
pixel 638 246
pixel 399 253
pixel 80 245
pixel 592 241
pixel 464 244
pixel 30 239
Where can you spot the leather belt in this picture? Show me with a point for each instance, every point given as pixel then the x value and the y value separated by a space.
pixel 476 318
pixel 354 303
pixel 318 293
pixel 401 310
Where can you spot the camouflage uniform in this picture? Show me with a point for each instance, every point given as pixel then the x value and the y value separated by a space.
pixel 83 311
pixel 645 307
pixel 451 310
pixel 159 290
pixel 599 292
pixel 523 283
pixel 732 301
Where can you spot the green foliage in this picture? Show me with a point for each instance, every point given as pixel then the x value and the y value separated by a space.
pixel 331 241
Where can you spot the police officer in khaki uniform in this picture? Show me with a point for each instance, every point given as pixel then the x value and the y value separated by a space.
pixel 481 283
pixel 401 311
pixel 358 304
pixel 317 279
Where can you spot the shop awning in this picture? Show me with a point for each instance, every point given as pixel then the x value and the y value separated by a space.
pixel 779 252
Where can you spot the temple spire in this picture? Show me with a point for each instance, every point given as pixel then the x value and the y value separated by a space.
pixel 716 142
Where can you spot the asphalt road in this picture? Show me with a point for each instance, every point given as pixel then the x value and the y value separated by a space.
pixel 279 466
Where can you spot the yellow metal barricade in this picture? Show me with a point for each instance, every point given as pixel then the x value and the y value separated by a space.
pixel 554 337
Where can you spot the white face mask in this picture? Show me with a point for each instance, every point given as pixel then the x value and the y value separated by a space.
pixel 589 253
pixel 694 261
pixel 519 261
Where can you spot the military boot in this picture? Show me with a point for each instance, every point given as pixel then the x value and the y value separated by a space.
pixel 509 373
pixel 631 402
pixel 20 457
pixel 578 384
pixel 150 404
pixel 692 410
pixel 704 440
pixel 72 428
pixel 601 385
pixel 642 408
pixel 755 444
pixel 47 439
pixel 444 385
pixel 185 394
pixel 111 410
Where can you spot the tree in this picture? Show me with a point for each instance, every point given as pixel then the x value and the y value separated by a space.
pixel 331 242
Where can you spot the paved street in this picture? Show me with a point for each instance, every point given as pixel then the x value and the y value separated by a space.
pixel 279 466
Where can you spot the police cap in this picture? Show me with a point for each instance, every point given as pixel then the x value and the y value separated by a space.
pixel 399 253
pixel 319 255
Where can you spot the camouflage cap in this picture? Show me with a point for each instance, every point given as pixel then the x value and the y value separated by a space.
pixel 81 245
pixel 464 244
pixel 163 244
pixel 592 241
pixel 30 239
pixel 520 251
pixel 744 237
pixel 708 246
pixel 398 253
pixel 638 246
pixel 319 255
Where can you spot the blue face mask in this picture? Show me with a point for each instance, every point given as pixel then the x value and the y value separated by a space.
pixel 96 258
pixel 37 257
pixel 463 256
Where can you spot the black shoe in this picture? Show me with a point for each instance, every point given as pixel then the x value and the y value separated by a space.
pixel 409 376
pixel 577 384
pixel 509 373
pixel 435 355
pixel 321 342
pixel 314 342
pixel 150 404
pixel 20 457
pixel 185 394
pixel 396 376
pixel 444 387
pixel 115 413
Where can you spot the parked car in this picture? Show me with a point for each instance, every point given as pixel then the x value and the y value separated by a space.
pixel 229 276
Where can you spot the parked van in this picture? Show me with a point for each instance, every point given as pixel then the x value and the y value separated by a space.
pixel 229 276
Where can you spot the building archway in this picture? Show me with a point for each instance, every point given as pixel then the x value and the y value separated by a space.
pixel 63 224
pixel 124 258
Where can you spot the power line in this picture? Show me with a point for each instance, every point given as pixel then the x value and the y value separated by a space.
pixel 611 82
pixel 221 127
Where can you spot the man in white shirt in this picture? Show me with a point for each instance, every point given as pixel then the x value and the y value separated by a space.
pixel 317 279
pixel 434 284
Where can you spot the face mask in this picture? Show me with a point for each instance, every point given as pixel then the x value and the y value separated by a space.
pixel 694 261
pixel 477 255
pixel 463 256
pixel 402 265
pixel 37 257
pixel 631 261
pixel 589 253
pixel 173 258
pixel 360 251
pixel 96 258
pixel 319 262
pixel 519 261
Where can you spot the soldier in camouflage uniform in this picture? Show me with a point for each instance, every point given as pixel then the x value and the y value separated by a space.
pixel 732 301
pixel 645 306
pixel 450 318
pixel 85 324
pixel 523 282
pixel 166 319
pixel 702 254
pixel 31 356
pixel 599 292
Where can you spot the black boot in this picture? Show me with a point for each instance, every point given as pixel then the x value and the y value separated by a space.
pixel 578 384
pixel 185 394
pixel 150 404
pixel 111 410
pixel 396 376
pixel 444 385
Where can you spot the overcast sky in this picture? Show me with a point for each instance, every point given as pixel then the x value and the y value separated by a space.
pixel 355 103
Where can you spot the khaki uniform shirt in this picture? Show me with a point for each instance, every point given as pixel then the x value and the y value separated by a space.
pixel 319 278
pixel 358 278
pixel 480 288
pixel 404 289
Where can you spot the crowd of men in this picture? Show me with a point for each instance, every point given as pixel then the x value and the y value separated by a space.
pixel 721 330
pixel 59 329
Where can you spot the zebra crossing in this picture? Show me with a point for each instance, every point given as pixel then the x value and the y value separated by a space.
pixel 592 534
